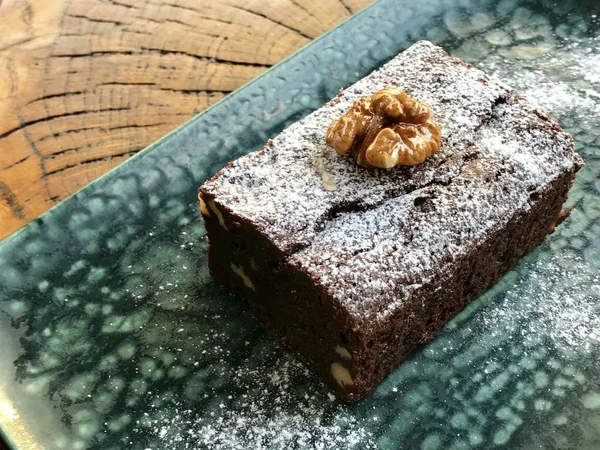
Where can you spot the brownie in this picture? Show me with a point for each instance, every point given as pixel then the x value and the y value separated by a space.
pixel 352 268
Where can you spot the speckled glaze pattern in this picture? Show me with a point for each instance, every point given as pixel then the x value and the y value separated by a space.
pixel 113 335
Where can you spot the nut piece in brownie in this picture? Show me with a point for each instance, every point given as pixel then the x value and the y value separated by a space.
pixel 352 267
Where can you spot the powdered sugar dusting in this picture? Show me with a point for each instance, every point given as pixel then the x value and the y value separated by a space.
pixel 267 412
pixel 494 142
pixel 577 60
pixel 561 305
pixel 499 151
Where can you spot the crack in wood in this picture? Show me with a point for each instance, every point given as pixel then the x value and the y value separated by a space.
pixel 205 58
pixel 116 3
pixel 196 91
pixel 346 7
pixel 18 43
pixel 91 54
pixel 142 33
pixel 95 20
pixel 91 161
pixel 63 151
pixel 150 50
pixel 190 27
pixel 123 127
pixel 295 30
pixel 310 14
pixel 16 163
pixel 198 13
pixel 128 84
pixel 51 96
pixel 93 127
pixel 24 125
pixel 200 16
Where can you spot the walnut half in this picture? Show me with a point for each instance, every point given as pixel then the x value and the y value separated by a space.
pixel 386 129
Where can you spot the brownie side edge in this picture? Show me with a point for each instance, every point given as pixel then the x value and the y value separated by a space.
pixel 459 283
pixel 287 301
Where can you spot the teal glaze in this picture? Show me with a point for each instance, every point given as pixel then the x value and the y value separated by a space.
pixel 113 334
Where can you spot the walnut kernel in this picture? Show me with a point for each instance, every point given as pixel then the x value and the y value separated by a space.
pixel 203 209
pixel 343 352
pixel 239 271
pixel 253 265
pixel 219 214
pixel 386 129
pixel 341 375
pixel 328 181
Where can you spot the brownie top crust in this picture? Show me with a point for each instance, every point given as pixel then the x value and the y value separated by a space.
pixel 371 237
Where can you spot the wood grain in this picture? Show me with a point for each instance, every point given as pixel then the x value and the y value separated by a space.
pixel 85 84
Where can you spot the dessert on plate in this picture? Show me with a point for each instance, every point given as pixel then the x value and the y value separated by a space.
pixel 360 230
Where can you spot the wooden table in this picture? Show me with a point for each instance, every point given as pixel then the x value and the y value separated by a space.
pixel 85 84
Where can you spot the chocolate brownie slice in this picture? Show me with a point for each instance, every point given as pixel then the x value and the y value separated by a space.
pixel 352 268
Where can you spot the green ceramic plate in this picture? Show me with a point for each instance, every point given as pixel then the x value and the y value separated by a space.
pixel 113 335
